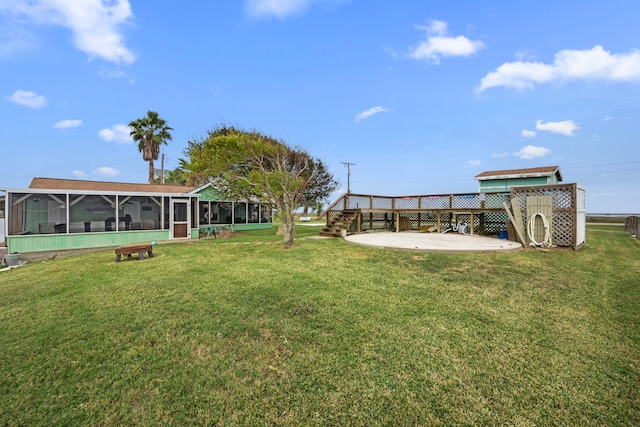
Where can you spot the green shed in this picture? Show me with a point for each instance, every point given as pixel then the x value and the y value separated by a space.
pixel 503 180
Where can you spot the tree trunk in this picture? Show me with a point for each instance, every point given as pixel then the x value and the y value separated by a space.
pixel 151 172
pixel 287 225
pixel 289 230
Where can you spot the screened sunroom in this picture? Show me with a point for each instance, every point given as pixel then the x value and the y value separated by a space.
pixel 215 210
pixel 61 214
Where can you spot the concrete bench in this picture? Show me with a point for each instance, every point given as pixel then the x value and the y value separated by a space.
pixel 139 249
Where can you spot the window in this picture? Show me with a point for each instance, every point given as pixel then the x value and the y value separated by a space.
pixel 265 212
pixel 240 213
pixel 254 212
pixel 37 213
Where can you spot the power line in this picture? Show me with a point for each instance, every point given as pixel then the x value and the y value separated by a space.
pixel 602 164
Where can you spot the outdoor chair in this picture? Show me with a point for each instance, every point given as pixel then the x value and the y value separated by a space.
pixel 76 227
pixel 47 228
pixel 97 226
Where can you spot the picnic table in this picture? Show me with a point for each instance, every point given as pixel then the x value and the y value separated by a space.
pixel 139 248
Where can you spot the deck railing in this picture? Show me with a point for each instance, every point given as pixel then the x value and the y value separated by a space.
pixel 632 225
pixel 480 212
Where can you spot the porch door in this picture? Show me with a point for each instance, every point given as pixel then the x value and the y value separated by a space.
pixel 180 218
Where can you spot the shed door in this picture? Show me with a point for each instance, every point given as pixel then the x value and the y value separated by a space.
pixel 540 205
pixel 180 215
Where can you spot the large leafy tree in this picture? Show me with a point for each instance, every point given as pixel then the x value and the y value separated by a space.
pixel 248 164
pixel 178 175
pixel 150 132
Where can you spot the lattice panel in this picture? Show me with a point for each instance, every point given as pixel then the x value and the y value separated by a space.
pixel 564 220
pixel 406 202
pixel 494 223
pixel 562 196
pixel 381 202
pixel 466 201
pixel 359 202
pixel 375 221
pixel 495 200
pixel 562 229
pixel 333 215
pixel 435 202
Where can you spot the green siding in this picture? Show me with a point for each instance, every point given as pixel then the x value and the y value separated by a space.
pixel 59 242
pixel 252 226
pixel 210 194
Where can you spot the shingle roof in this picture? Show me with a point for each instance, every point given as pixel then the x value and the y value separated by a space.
pixel 83 185
pixel 521 173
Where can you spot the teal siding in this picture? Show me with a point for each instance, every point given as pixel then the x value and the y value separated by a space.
pixel 502 185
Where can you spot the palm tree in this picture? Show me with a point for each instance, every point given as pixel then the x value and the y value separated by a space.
pixel 150 132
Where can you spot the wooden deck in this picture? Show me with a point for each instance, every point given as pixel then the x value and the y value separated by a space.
pixel 480 213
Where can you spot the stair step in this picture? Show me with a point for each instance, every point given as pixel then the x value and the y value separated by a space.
pixel 337 227
pixel 327 234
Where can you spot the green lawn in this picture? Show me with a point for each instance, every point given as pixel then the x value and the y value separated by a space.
pixel 242 332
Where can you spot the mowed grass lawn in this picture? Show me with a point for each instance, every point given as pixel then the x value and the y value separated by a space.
pixel 242 332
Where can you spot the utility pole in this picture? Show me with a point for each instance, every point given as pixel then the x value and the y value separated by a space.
pixel 162 169
pixel 348 165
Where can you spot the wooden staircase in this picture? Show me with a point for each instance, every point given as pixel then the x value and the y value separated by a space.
pixel 335 227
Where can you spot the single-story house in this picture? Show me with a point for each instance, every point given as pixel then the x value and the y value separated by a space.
pixel 503 180
pixel 62 214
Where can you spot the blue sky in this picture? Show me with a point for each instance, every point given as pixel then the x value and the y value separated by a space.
pixel 420 96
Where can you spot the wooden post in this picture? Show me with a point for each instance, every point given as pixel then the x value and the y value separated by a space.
pixel 397 222
pixel 515 224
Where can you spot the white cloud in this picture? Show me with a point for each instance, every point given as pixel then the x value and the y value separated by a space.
pixel 66 124
pixel 27 98
pixel 107 171
pixel 567 127
pixel 474 162
pixel 531 152
pixel 279 8
pixel 117 133
pixel 370 112
pixel 524 54
pixel 78 173
pixel 590 64
pixel 499 155
pixel 439 44
pixel 528 133
pixel 95 24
